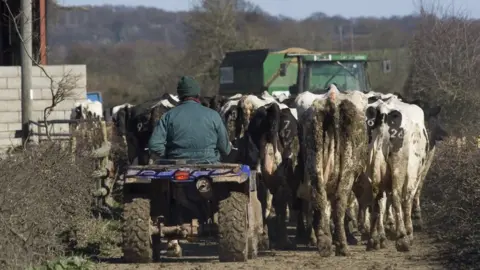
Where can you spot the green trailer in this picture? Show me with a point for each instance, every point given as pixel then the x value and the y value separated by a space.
pixel 292 71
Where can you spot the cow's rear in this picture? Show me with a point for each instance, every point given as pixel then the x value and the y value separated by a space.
pixel 398 155
pixel 334 143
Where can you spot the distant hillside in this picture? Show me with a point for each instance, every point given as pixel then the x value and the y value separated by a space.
pixel 115 24
pixel 118 24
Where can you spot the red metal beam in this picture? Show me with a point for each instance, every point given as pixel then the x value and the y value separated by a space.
pixel 43 32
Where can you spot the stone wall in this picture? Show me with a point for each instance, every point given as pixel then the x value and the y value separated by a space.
pixel 73 77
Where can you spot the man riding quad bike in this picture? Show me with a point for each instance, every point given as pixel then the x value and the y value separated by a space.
pixel 190 131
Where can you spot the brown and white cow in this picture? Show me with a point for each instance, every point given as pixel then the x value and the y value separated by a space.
pixel 333 139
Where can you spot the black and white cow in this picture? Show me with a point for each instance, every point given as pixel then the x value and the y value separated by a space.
pixel 401 149
pixel 435 134
pixel 215 103
pixel 229 114
pixel 271 146
pixel 120 115
pixel 137 124
pixel 87 110
pixel 260 124
pixel 92 110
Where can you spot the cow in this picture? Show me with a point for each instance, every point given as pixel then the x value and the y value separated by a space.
pixel 87 110
pixel 92 110
pixel 333 148
pixel 137 122
pixel 282 97
pixel 271 146
pixel 362 187
pixel 215 103
pixel 120 115
pixel 247 105
pixel 398 155
pixel 229 114
pixel 359 199
pixel 249 137
pixel 435 134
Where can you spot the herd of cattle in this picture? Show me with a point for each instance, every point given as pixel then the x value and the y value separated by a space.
pixel 341 156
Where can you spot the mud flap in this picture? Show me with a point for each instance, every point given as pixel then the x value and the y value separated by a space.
pixel 253 181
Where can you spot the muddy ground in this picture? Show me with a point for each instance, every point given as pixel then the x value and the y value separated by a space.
pixel 425 254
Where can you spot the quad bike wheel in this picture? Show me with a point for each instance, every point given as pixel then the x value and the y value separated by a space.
pixel 233 227
pixel 137 240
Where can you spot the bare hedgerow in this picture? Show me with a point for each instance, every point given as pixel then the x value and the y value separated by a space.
pixel 43 195
pixel 452 201
pixel 445 54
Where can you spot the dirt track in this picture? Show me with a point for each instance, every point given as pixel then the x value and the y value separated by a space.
pixel 424 255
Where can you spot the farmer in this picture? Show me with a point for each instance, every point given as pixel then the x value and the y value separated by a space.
pixel 190 131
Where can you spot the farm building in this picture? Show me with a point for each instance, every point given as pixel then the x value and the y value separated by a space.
pixel 41 92
pixel 10 44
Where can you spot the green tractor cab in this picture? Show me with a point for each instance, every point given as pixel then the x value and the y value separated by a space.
pixel 292 71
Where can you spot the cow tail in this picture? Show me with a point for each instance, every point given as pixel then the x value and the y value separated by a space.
pixel 333 142
pixel 353 131
pixel 316 147
pixel 273 115
pixel 300 167
pixel 241 123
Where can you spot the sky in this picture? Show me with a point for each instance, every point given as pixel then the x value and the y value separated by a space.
pixel 300 9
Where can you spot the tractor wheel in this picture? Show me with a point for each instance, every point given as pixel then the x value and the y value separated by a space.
pixel 137 240
pixel 233 228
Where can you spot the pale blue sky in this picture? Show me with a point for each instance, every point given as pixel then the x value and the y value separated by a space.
pixel 303 8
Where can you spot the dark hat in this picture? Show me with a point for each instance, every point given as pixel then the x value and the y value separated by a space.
pixel 187 87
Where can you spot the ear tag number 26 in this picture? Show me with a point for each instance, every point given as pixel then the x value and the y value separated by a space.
pixel 395 133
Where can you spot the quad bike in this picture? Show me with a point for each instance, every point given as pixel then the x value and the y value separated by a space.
pixel 177 199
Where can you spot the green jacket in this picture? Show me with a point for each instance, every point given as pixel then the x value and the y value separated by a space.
pixel 190 131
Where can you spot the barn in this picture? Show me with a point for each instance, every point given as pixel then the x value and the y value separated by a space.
pixel 10 42
pixel 42 87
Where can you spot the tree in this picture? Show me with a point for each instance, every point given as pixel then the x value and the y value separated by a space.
pixel 445 66
pixel 214 28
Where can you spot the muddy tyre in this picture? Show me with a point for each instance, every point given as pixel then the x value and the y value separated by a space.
pixel 233 228
pixel 137 241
